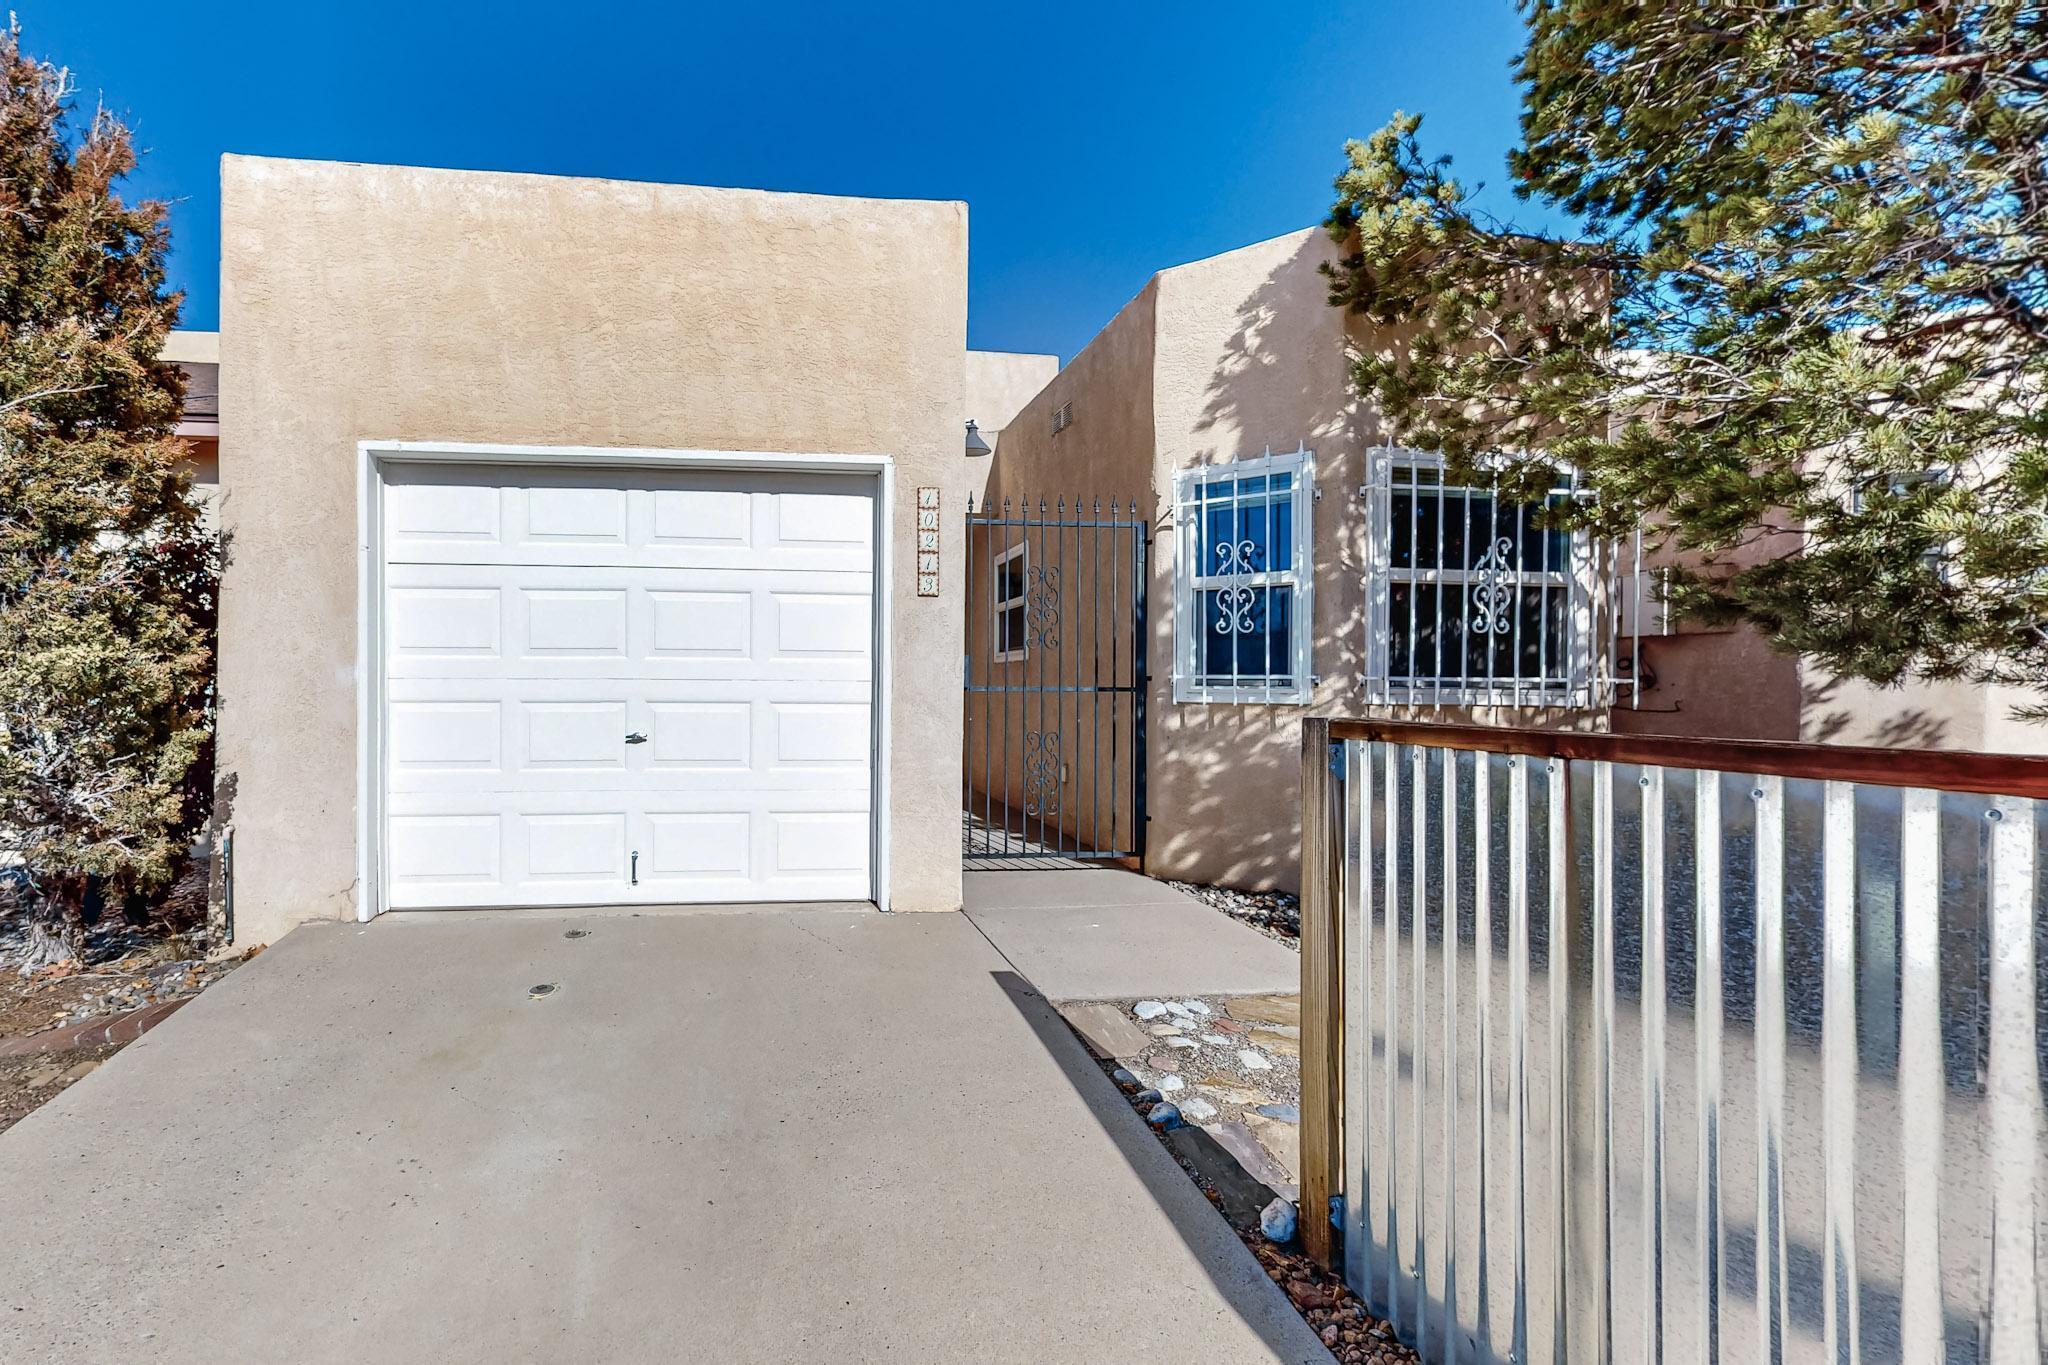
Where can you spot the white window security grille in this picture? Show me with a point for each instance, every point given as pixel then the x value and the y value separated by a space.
pixel 1013 573
pixel 1472 602
pixel 1244 580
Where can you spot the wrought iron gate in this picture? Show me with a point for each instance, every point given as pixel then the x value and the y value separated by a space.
pixel 1054 765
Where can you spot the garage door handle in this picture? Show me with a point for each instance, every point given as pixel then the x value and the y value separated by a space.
pixel 636 738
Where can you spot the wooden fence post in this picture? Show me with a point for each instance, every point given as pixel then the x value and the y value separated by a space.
pixel 1322 988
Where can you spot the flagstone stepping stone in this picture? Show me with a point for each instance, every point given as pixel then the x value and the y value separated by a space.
pixel 1215 1040
pixel 1163 1061
pixel 1165 1030
pixel 1253 1061
pixel 1194 1007
pixel 1179 1010
pixel 1275 1041
pixel 1184 1044
pixel 1257 1162
pixel 1197 1110
pixel 1108 1032
pixel 1169 1084
pixel 1230 1090
pixel 1267 1009
pixel 1148 1009
pixel 1281 1140
pixel 1286 1113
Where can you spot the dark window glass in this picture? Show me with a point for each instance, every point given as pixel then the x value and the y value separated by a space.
pixel 1246 635
pixel 1442 634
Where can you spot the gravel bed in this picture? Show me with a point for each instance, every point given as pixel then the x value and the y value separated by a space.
pixel 1275 914
pixel 1330 1308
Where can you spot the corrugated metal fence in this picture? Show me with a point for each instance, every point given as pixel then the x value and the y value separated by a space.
pixel 1654 1062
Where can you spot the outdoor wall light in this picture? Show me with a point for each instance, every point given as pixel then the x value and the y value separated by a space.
pixel 975 444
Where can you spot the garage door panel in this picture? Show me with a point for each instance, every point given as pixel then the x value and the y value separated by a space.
pixel 812 627
pixel 654 689
pixel 566 849
pixel 438 852
pixel 441 520
pixel 717 520
pixel 549 518
pixel 699 847
pixel 428 623
pixel 539 621
pixel 526 745
pixel 814 735
pixel 459 736
pixel 559 624
pixel 575 846
pixel 705 736
pixel 587 736
pixel 819 843
pixel 700 625
pixel 664 520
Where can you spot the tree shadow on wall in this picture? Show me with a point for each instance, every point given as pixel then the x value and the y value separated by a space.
pixel 1226 776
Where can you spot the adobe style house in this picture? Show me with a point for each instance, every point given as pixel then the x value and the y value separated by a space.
pixel 1301 565
pixel 572 531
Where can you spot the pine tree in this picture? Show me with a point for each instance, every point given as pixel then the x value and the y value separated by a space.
pixel 1804 336
pixel 107 571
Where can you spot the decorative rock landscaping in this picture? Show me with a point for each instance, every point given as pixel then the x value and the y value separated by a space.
pixel 1233 1069
pixel 1273 913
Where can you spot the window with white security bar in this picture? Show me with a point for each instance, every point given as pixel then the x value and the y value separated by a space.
pixel 1243 580
pixel 1013 571
pixel 1474 602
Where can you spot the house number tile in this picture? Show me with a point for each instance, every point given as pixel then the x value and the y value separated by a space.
pixel 927 542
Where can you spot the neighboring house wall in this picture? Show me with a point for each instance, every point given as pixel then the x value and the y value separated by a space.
pixel 1212 362
pixel 198 355
pixel 1730 684
pixel 1000 383
pixel 369 302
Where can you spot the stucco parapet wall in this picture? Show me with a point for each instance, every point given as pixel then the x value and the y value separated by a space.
pixel 388 303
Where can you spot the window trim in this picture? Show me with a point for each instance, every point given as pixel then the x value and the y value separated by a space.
pixel 1574 688
pixel 1002 605
pixel 1299 688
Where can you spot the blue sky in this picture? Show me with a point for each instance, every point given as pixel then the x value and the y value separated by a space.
pixel 1094 143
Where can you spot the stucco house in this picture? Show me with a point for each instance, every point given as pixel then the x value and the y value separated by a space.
pixel 572 532
pixel 1302 565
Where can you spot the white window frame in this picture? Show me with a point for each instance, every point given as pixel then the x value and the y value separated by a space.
pixel 1189 679
pixel 1003 605
pixel 1580 684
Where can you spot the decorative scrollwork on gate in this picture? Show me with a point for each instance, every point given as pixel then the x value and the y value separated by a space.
pixel 1042 608
pixel 1236 611
pixel 1042 772
pixel 1493 591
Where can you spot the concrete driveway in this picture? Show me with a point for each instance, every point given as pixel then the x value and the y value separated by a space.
pixel 762 1136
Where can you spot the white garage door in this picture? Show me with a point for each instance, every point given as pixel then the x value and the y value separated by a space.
pixel 614 686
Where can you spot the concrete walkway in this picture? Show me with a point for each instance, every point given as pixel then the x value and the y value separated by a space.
pixel 768 1136
pixel 1106 934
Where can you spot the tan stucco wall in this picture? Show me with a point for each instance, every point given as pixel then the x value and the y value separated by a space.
pixel 1730 684
pixel 1210 362
pixel 1000 383
pixel 373 302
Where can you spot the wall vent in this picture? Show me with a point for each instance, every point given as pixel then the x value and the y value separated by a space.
pixel 1063 417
